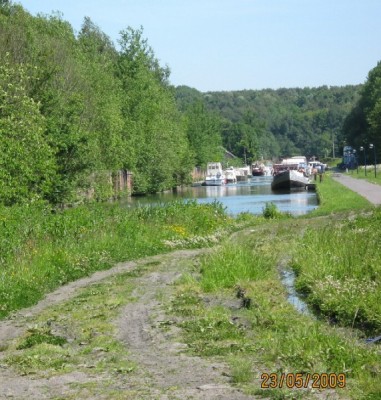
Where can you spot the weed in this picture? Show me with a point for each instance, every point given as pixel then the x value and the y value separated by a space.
pixel 270 211
pixel 37 336
pixel 241 369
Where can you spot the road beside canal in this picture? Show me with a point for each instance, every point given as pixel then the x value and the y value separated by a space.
pixel 370 191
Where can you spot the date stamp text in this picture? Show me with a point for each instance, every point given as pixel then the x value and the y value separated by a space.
pixel 298 381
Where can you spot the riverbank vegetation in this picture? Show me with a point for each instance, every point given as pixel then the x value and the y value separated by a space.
pixel 41 250
pixel 339 270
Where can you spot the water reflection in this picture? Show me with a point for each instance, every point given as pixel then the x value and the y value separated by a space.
pixel 250 196
pixel 288 280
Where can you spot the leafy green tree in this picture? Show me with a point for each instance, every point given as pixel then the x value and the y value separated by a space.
pixel 153 133
pixel 204 134
pixel 102 94
pixel 26 161
pixel 363 124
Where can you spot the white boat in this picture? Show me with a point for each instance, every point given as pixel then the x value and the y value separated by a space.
pixel 291 173
pixel 316 166
pixel 230 175
pixel 214 174
pixel 243 173
pixel 268 169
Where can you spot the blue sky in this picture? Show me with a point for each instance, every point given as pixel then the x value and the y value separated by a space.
pixel 215 45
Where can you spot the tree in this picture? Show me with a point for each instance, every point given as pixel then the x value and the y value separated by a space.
pixel 26 161
pixel 204 134
pixel 153 134
pixel 363 124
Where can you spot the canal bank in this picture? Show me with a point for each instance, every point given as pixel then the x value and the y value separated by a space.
pixel 370 191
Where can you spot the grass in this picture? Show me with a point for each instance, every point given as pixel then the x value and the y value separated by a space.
pixel 270 336
pixel 369 175
pixel 231 306
pixel 232 264
pixel 41 250
pixel 336 198
pixel 339 268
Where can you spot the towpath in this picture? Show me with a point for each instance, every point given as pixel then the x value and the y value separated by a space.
pixel 370 191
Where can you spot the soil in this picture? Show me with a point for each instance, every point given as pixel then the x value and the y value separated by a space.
pixel 165 371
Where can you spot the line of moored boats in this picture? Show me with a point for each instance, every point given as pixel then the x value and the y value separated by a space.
pixel 294 172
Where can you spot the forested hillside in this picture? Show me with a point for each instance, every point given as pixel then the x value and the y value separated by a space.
pixel 278 123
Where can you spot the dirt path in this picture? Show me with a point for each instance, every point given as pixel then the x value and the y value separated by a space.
pixel 165 367
pixel 164 370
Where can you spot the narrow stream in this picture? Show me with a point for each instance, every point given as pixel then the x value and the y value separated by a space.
pixel 288 280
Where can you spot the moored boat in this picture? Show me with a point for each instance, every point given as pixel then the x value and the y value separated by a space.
pixel 258 169
pixel 214 174
pixel 289 179
pixel 230 175
pixel 243 173
pixel 291 173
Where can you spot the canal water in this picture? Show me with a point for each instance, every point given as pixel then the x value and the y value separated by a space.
pixel 250 196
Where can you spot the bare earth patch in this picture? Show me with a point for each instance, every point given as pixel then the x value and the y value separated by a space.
pixel 163 370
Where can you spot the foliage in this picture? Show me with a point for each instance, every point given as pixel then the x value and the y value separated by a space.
pixel 92 110
pixel 204 134
pixel 362 125
pixel 270 211
pixel 340 270
pixel 37 336
pixel 152 127
pixel 26 162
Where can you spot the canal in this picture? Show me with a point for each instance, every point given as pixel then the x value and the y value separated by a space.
pixel 250 196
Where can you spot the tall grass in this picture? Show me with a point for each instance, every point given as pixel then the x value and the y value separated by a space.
pixel 233 264
pixel 339 267
pixel 41 249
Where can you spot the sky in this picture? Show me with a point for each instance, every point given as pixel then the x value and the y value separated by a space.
pixel 224 45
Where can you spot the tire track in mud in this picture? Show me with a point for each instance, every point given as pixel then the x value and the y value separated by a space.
pixel 167 370
pixel 163 370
